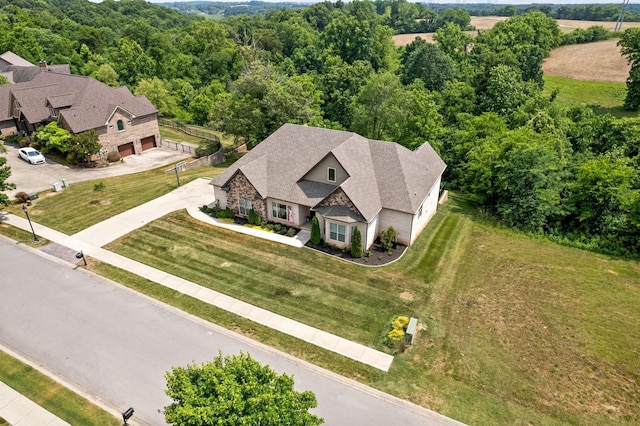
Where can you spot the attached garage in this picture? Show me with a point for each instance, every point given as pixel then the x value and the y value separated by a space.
pixel 126 149
pixel 148 143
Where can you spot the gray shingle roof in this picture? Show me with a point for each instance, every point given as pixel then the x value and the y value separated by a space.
pixel 90 103
pixel 10 58
pixel 381 174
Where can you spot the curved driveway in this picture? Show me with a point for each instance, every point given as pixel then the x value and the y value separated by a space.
pixel 116 344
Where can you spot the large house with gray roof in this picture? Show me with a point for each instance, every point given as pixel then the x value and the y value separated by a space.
pixel 124 122
pixel 342 178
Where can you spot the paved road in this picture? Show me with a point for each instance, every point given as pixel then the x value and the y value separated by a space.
pixel 35 178
pixel 117 345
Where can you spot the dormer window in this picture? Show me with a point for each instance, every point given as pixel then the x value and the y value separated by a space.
pixel 331 174
pixel 52 111
pixel 17 104
pixel 120 126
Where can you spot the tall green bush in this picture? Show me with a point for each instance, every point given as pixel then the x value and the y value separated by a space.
pixel 388 238
pixel 315 231
pixel 356 243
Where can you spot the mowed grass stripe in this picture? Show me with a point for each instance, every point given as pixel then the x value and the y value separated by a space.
pixel 80 206
pixel 51 395
pixel 298 283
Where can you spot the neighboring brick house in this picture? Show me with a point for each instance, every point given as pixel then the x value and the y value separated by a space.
pixel 124 122
pixel 342 178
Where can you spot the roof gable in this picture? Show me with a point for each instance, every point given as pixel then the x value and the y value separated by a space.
pixel 380 174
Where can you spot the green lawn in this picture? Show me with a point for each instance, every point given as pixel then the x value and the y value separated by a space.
pixel 51 395
pixel 80 206
pixel 515 330
pixel 180 136
pixel 606 97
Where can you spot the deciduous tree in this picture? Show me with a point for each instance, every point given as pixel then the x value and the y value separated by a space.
pixel 630 47
pixel 236 390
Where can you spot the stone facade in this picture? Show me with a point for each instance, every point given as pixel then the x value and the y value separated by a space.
pixel 135 129
pixel 339 198
pixel 241 188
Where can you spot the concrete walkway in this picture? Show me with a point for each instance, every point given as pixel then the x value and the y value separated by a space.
pixel 19 410
pixel 191 197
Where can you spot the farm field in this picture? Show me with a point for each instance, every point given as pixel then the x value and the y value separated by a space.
pixel 599 61
pixel 487 22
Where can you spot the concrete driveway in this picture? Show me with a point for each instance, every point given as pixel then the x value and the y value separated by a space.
pixel 35 178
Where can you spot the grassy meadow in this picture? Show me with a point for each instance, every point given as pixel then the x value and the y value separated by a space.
pixel 606 97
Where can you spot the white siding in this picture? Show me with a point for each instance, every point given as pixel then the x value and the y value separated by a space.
pixel 220 197
pixel 400 221
pixel 372 232
pixel 429 206
pixel 319 172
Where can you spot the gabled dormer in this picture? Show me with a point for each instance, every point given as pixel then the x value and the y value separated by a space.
pixel 328 170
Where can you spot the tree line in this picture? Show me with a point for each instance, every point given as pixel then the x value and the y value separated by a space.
pixel 564 172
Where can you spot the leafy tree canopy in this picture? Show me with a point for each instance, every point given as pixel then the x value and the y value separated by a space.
pixel 236 390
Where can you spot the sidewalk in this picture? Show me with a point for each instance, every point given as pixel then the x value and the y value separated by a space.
pixel 192 196
pixel 19 410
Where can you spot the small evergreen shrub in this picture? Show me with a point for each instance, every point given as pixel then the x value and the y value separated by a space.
pixel 356 243
pixel 315 231
pixel 291 232
pixel 388 238
pixel 395 336
pixel 254 218
pixel 277 227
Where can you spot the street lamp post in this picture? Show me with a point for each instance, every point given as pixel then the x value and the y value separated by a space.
pixel 26 212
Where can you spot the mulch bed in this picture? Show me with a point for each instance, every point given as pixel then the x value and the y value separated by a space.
pixel 379 256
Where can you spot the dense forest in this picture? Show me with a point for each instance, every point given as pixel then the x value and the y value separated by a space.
pixel 565 173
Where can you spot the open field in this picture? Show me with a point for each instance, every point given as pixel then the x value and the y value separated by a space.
pixel 605 97
pixel 51 395
pixel 487 22
pixel 599 61
pixel 514 330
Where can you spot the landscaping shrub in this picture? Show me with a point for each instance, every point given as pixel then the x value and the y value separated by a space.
pixel 291 232
pixel 388 238
pixel 277 227
pixel 254 218
pixel 113 156
pixel 396 335
pixel 315 231
pixel 225 214
pixel 356 243
pixel 22 197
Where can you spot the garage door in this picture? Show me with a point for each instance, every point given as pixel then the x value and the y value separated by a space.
pixel 148 143
pixel 126 149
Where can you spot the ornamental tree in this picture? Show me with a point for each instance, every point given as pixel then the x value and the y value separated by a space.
pixel 315 231
pixel 356 243
pixel 236 390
